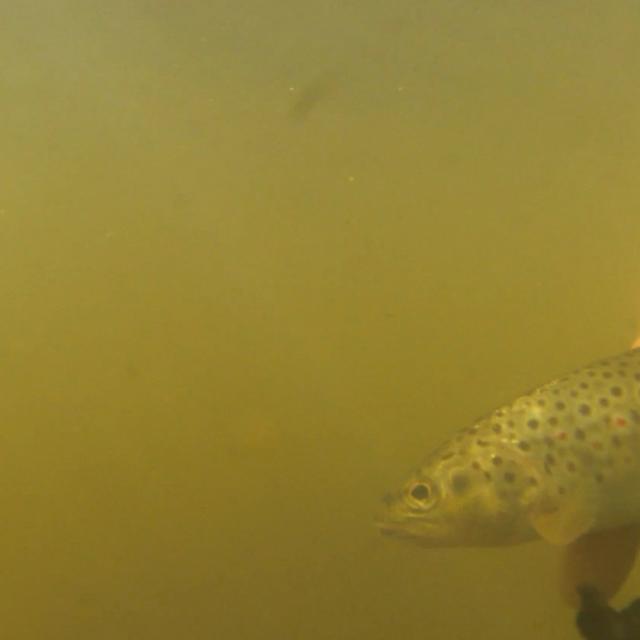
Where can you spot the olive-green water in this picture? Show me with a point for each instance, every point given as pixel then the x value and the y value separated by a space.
pixel 256 260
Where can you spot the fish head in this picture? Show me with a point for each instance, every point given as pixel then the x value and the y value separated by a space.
pixel 458 500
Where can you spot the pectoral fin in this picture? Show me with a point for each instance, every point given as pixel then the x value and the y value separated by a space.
pixel 602 560
pixel 563 524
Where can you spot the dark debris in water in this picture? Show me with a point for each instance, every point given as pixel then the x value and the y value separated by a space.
pixel 596 620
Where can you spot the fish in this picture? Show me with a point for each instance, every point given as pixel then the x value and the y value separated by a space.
pixel 560 463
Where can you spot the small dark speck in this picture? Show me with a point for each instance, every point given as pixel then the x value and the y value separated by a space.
pixel 509 476
pixel 496 428
pixel 524 446
pixel 584 385
pixel 607 374
pixel 497 461
pixel 599 477
pixel 560 406
pixel 571 467
pixel 532 424
pixel 310 96
pixel 616 391
pixel 579 434
pixel 604 402
pixel 553 421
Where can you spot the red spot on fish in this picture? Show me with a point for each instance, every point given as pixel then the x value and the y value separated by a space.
pixel 597 446
pixel 621 422
pixel 561 435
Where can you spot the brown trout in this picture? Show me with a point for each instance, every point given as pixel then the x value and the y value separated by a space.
pixel 561 463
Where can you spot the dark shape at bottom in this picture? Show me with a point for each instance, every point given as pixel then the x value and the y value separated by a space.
pixel 596 620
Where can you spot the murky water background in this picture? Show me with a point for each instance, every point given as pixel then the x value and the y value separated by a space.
pixel 256 259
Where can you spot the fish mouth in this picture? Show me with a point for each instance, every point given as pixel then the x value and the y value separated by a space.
pixel 393 529
pixel 387 529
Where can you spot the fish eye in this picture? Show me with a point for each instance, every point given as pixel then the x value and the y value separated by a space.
pixel 420 492
pixel 421 495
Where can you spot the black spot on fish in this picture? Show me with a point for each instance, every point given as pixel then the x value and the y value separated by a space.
pixel 482 443
pixel 607 374
pixel 532 481
pixel 604 402
pixel 496 428
pixel 560 406
pixel 584 385
pixel 571 467
pixel 579 434
pixel 549 459
pixel 497 461
pixel 460 483
pixel 541 402
pixel 487 476
pixel 616 442
pixel 447 455
pixel 509 476
pixel 532 424
pixel 616 391
pixel 552 420
pixel 599 477
pixel 584 409
pixel 573 393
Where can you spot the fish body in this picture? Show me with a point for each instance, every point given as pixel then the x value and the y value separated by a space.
pixel 560 463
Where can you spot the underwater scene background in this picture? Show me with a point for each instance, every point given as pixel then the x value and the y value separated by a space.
pixel 257 260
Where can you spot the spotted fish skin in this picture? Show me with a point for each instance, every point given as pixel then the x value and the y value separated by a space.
pixel 559 463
